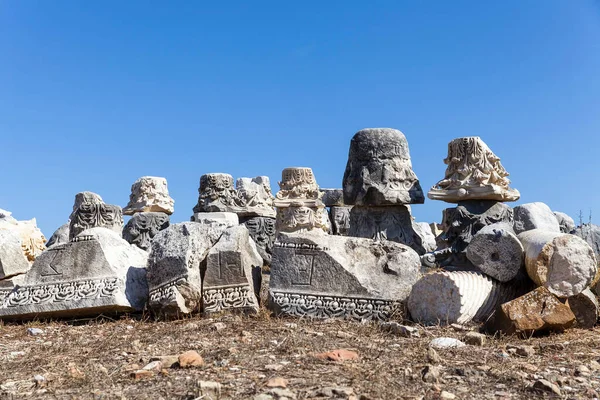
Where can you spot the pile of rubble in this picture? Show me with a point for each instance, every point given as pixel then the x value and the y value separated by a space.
pixel 354 252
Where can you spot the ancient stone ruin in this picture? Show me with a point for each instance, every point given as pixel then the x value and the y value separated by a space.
pixel 355 252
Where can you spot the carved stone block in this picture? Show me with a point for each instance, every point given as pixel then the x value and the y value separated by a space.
pixel 96 215
pixel 262 231
pixel 149 194
pixel 97 272
pixel 379 170
pixel 227 273
pixel 474 172
pixel 325 276
pixel 142 227
pixel 216 193
pixel 61 235
pixel 298 183
pixel 333 197
pixel 12 260
pixel 385 223
pixel 340 220
pixel 174 275
pixel 256 199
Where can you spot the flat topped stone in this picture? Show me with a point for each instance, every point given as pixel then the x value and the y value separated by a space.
pixel 379 170
pixel 474 172
pixel 149 194
pixel 97 272
pixel 297 183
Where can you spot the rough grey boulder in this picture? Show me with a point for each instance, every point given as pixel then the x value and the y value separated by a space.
pixel 534 216
pixel 12 260
pixel 231 273
pixel 585 307
pixel 379 170
pixel 566 223
pixel 318 275
pixel 97 272
pixel 174 275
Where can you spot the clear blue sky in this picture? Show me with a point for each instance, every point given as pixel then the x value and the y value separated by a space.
pixel 94 95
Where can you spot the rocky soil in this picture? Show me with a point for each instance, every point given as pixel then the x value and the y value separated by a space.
pixel 259 357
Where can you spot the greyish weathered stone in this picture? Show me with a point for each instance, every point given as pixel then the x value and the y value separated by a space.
pixel 143 226
pixel 333 197
pixel 386 223
pixel 563 263
pixel 61 235
pixel 379 170
pixel 497 252
pixel 340 220
pixel 474 172
pixel 97 272
pixel 12 260
pixel 33 242
pixel 85 197
pixel 458 297
pixel 585 307
pixel 216 193
pixel 228 273
pixel 324 276
pixel 262 231
pixel 591 234
pixel 460 225
pixel 149 194
pixel 535 216
pixel 299 207
pixel 174 275
pixel 96 215
pixel 427 237
pixel 566 223
pixel 228 218
pixel 256 199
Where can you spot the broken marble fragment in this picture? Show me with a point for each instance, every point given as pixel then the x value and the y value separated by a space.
pixel 256 199
pixel 262 231
pixel 340 220
pixel 318 275
pixel 566 223
pixel 12 259
pixel 216 194
pixel 174 276
pixel 333 197
pixel 585 307
pixel 379 170
pixel 474 172
pixel 96 272
pixel 33 242
pixel 149 194
pixel 96 215
pixel 143 226
pixel 534 216
pixel 229 272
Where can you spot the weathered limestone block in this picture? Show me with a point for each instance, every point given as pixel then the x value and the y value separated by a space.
pixel 535 312
pixel 325 276
pixel 217 194
pixel 460 226
pixel 591 234
pixel 299 208
pixel 60 236
pixel 497 252
pixel 563 263
pixel 340 220
pixel 585 307
pixel 96 215
pixel 143 226
pixel 228 273
pixel 174 276
pixel 535 216
pixel 427 237
pixel 333 197
pixel 33 241
pixel 149 194
pixel 255 197
pixel 474 172
pixel 566 223
pixel 12 260
pixel 458 297
pixel 386 223
pixel 379 170
pixel 97 272
pixel 85 197
pixel 262 231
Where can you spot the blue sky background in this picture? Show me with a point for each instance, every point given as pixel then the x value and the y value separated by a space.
pixel 94 95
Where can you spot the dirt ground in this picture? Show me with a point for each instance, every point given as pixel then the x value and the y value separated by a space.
pixel 96 359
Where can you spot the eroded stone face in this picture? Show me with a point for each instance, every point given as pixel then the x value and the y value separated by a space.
pixel 93 215
pixel 340 219
pixel 262 230
pixel 474 172
pixel 142 227
pixel 299 208
pixel 379 170
pixel 149 194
